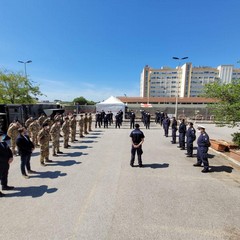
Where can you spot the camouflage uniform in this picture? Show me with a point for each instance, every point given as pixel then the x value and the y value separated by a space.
pixel 55 136
pixel 48 121
pixel 66 131
pixel 90 122
pixel 13 134
pixel 81 124
pixel 43 139
pixel 73 125
pixel 33 130
pixel 85 124
pixel 41 120
pixel 28 122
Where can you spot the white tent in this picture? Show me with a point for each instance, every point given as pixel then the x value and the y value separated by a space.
pixel 111 104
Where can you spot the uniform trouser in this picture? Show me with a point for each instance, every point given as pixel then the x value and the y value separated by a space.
pixel 132 123
pixel 44 153
pixel 65 140
pixel 98 123
pixel 105 125
pixel 202 156
pixel 55 145
pixel 117 124
pixel 73 135
pixel 90 127
pixel 25 163
pixel 85 129
pixel 13 145
pixel 4 167
pixel 139 154
pixel 174 135
pixel 34 139
pixel 182 140
pixel 147 124
pixel 190 148
pixel 166 130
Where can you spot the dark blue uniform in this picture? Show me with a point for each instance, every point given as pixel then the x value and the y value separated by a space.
pixel 182 134
pixel 202 150
pixel 137 136
pixel 174 131
pixel 166 124
pixel 132 120
pixel 191 137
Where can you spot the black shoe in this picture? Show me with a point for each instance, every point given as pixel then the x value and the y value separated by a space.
pixel 2 194
pixel 69 145
pixel 141 166
pixel 205 170
pixel 75 140
pixel 43 164
pixel 48 160
pixel 189 156
pixel 54 155
pixel 7 188
pixel 131 165
pixel 60 152
pixel 31 171
pixel 197 165
pixel 182 148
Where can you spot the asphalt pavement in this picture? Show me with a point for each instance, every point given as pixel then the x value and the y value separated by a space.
pixel 91 192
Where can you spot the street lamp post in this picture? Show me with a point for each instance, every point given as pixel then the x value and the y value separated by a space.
pixel 179 64
pixel 25 68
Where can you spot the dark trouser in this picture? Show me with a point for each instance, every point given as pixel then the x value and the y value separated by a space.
pixel 25 163
pixel 132 123
pixel 182 140
pixel 4 167
pixel 117 124
pixel 174 135
pixel 189 148
pixel 147 124
pixel 202 156
pixel 139 154
pixel 105 124
pixel 165 130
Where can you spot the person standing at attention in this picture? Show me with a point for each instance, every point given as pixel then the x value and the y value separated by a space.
pixel 137 141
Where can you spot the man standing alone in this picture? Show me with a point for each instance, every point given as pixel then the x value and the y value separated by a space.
pixel 137 141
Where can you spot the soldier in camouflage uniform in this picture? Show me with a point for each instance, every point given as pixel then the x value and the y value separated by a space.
pixel 55 136
pixel 41 119
pixel 73 125
pixel 66 131
pixel 13 134
pixel 28 122
pixel 48 121
pixel 90 122
pixel 43 139
pixel 33 130
pixel 85 124
pixel 81 124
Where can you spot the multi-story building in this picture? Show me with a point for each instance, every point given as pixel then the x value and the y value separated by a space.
pixel 184 81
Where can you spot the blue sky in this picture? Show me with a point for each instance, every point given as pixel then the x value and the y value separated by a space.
pixel 98 48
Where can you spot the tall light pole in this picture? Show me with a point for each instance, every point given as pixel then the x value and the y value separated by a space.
pixel 179 64
pixel 25 68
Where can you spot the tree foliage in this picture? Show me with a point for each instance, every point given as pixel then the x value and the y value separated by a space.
pixel 82 101
pixel 16 88
pixel 227 109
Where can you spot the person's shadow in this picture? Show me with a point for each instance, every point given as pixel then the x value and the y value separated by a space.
pixel 221 169
pixel 64 163
pixel 48 174
pixel 33 191
pixel 80 147
pixel 156 165
pixel 72 154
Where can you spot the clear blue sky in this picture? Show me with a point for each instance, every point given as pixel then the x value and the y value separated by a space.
pixel 98 48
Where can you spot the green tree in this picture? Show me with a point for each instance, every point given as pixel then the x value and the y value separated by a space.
pixel 15 88
pixel 227 108
pixel 82 101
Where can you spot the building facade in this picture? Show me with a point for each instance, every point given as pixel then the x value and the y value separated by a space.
pixel 183 81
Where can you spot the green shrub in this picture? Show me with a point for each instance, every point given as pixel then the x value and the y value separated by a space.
pixel 236 138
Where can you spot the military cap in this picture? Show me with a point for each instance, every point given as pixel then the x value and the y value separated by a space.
pixel 201 126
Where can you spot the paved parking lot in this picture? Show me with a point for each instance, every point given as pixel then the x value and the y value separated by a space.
pixel 92 193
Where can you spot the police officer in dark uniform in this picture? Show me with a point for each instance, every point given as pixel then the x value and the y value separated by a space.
pixel 166 124
pixel 191 137
pixel 174 130
pixel 132 119
pixel 6 157
pixel 137 141
pixel 182 134
pixel 202 150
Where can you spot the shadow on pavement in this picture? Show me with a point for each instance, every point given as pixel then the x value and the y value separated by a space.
pixel 48 174
pixel 88 141
pixel 81 147
pixel 156 165
pixel 91 137
pixel 34 154
pixel 33 192
pixel 73 154
pixel 221 169
pixel 92 133
pixel 211 155
pixel 64 163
